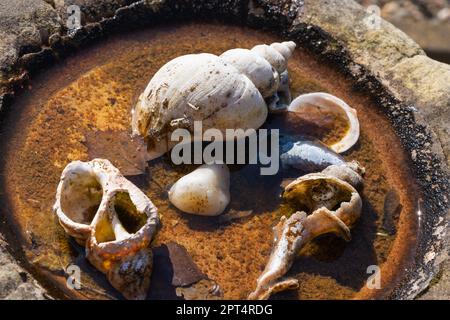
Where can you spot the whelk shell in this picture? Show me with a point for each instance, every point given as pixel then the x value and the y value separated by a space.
pixel 113 219
pixel 226 92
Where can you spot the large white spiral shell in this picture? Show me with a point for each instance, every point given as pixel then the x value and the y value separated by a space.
pixel 226 92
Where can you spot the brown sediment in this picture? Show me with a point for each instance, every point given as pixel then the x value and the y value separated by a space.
pixel 94 91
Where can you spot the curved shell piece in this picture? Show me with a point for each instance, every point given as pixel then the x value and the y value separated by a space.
pixel 116 222
pixel 205 191
pixel 326 204
pixel 277 54
pixel 336 105
pixel 317 191
pixel 288 239
pixel 350 172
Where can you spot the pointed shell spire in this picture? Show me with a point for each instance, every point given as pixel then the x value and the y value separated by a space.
pixel 285 48
pixel 256 68
pixel 277 54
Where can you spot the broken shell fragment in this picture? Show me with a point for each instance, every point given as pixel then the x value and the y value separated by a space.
pixel 350 172
pixel 226 92
pixel 116 222
pixel 337 106
pixel 288 240
pixel 317 190
pixel 325 204
pixel 205 191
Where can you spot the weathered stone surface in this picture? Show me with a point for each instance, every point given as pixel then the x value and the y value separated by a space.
pixel 25 26
pixel 8 54
pixel 439 288
pixel 427 22
pixel 26 291
pixel 15 283
pixel 91 10
pixel 31 21
pixel 273 14
pixel 376 45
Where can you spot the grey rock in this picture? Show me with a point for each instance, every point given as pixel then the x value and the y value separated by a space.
pixel 8 54
pixel 16 283
pixel 378 46
pixel 9 278
pixel 273 14
pixel 31 22
pixel 26 291
pixel 439 288
pixel 426 83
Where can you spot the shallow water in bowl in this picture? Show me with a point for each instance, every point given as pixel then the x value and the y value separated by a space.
pixel 94 92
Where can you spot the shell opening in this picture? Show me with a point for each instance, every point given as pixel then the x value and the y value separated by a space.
pixel 104 231
pixel 126 220
pixel 81 196
pixel 113 219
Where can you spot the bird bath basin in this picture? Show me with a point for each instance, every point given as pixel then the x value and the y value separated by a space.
pixel 92 94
